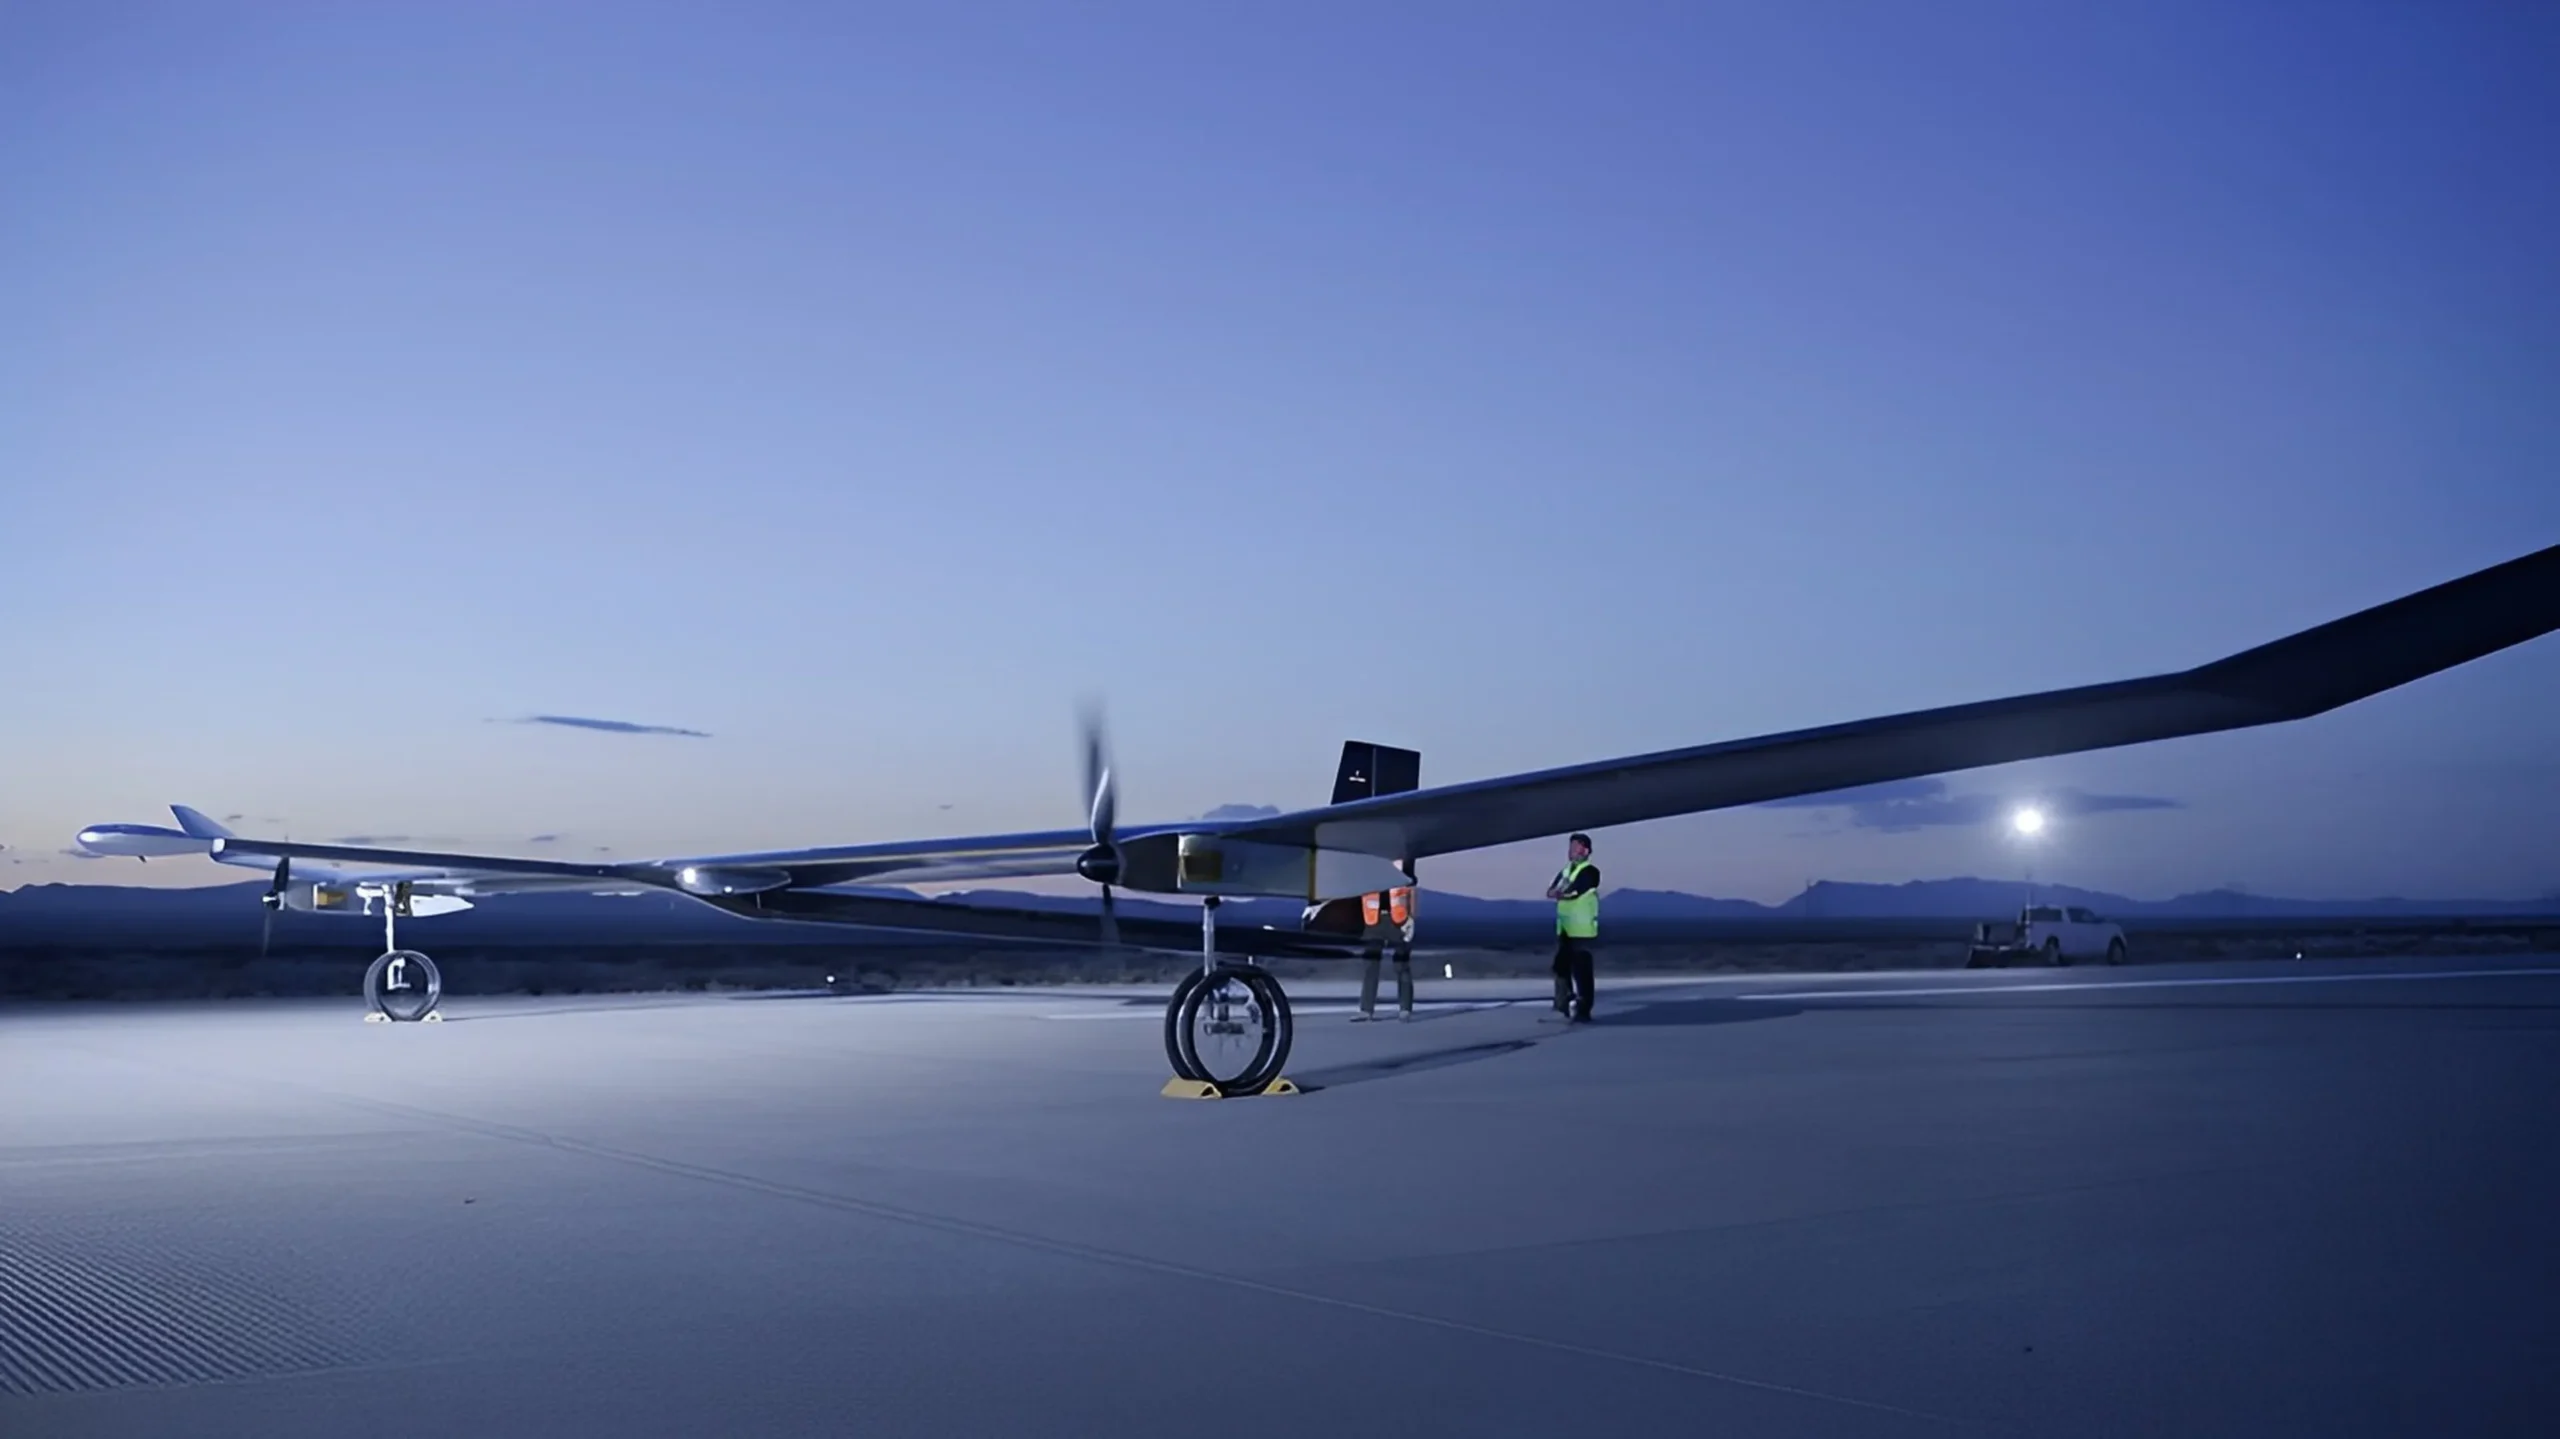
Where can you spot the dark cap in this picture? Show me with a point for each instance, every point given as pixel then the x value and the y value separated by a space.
pixel 1583 840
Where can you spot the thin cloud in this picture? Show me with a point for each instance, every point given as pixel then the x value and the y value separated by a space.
pixel 610 726
pixel 1900 806
pixel 1890 792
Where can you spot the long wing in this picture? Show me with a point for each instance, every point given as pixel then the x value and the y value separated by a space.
pixel 2294 678
pixel 1061 928
pixel 460 881
pixel 1009 856
pixel 198 834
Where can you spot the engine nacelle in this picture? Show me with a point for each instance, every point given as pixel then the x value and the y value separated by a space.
pixel 714 880
pixel 349 899
pixel 323 899
pixel 1213 864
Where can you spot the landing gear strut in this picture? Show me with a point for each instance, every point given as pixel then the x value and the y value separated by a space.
pixel 1228 1024
pixel 403 986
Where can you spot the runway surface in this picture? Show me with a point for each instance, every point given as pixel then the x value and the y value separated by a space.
pixel 2243 1199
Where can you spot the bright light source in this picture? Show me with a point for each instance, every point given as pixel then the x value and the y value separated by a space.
pixel 2027 821
pixel 1450 971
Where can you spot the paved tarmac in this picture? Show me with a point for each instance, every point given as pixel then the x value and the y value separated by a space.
pixel 2201 1200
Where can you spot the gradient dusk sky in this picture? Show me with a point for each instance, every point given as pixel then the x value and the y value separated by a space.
pixel 826 398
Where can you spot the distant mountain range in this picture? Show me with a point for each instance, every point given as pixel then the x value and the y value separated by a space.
pixel 230 914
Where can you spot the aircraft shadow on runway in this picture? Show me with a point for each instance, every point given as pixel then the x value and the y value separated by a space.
pixel 1690 1013
pixel 547 1011
pixel 1342 1075
pixel 2101 1001
pixel 684 1001
pixel 1681 1013
pixel 845 996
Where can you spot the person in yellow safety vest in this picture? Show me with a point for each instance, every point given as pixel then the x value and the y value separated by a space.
pixel 1576 891
pixel 1388 918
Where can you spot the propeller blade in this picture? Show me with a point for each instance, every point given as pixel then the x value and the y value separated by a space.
pixel 1101 797
pixel 1102 817
pixel 272 901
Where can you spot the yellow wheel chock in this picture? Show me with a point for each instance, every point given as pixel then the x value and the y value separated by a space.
pixel 1203 1089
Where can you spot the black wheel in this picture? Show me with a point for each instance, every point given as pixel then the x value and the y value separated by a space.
pixel 1234 1029
pixel 403 986
pixel 1182 1067
pixel 2053 952
pixel 2115 951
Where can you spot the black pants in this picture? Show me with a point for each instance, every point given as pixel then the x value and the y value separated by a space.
pixel 1573 976
pixel 1369 979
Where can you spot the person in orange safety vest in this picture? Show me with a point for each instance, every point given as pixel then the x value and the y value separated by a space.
pixel 1388 920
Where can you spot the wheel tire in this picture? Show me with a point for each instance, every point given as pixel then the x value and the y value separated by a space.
pixel 2115 951
pixel 1263 991
pixel 1183 1068
pixel 2053 953
pixel 1284 1030
pixel 1260 989
pixel 373 978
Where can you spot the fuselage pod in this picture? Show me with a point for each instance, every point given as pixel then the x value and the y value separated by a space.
pixel 140 841
pixel 729 879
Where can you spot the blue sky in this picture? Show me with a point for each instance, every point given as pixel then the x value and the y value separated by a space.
pixel 1525 384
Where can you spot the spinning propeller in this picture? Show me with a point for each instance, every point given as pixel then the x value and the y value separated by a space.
pixel 1101 864
pixel 273 899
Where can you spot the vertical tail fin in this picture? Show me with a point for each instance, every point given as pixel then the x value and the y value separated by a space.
pixel 1369 770
pixel 196 824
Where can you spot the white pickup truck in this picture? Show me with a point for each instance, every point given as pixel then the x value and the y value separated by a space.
pixel 2047 934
